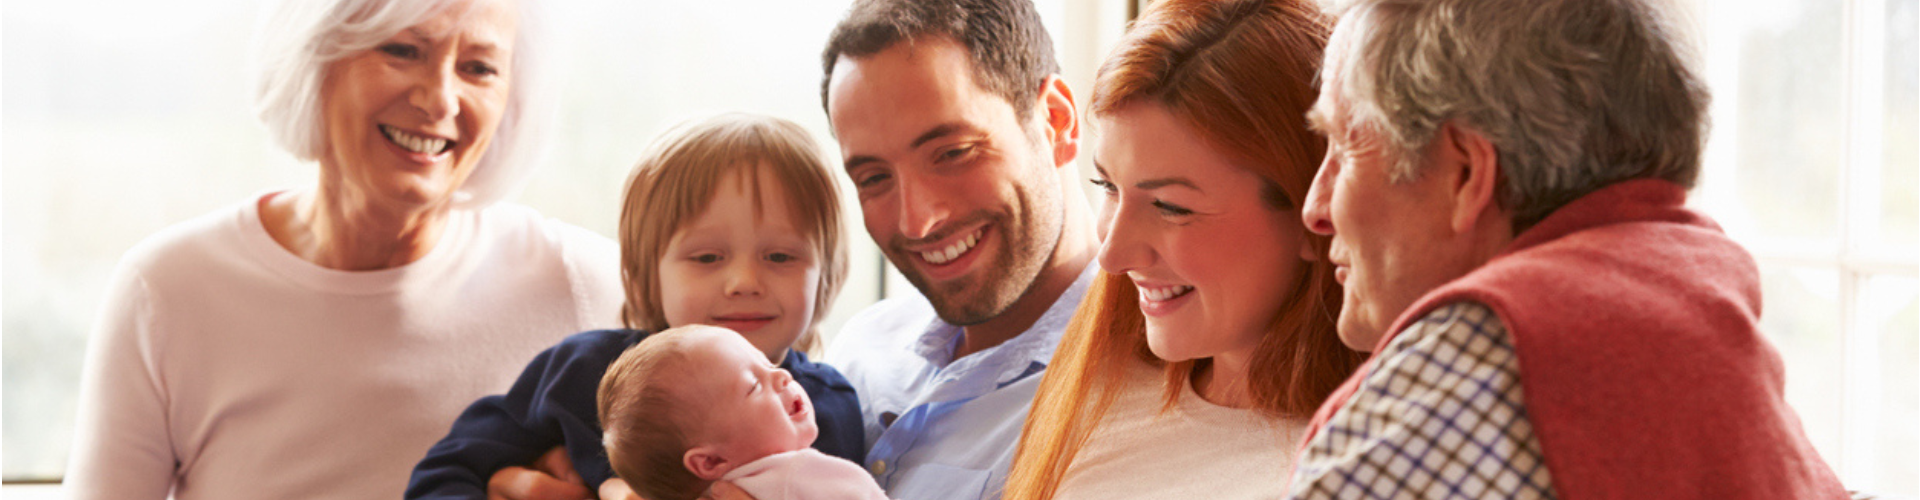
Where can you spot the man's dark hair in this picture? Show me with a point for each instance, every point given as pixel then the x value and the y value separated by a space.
pixel 1009 48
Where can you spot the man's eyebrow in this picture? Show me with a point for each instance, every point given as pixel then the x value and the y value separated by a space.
pixel 857 161
pixel 938 131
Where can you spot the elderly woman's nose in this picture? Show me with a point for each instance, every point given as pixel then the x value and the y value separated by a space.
pixel 435 92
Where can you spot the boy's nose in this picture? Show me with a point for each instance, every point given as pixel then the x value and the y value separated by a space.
pixel 744 279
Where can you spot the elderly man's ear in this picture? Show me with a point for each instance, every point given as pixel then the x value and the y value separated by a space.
pixel 1472 165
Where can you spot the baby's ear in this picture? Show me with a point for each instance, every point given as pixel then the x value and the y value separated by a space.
pixel 706 462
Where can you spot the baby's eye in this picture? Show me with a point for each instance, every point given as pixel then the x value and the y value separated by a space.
pixel 782 257
pixel 707 258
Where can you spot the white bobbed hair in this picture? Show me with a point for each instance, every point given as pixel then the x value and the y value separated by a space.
pixel 299 38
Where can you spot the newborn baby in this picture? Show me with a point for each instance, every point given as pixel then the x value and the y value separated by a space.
pixel 698 404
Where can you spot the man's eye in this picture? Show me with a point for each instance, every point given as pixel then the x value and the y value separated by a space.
pixel 955 153
pixel 872 180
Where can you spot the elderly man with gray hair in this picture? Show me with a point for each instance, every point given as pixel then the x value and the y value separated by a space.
pixel 1505 185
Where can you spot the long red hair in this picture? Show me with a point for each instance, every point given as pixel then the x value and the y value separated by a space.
pixel 1241 73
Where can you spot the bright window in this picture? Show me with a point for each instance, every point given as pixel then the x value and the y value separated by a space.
pixel 1812 166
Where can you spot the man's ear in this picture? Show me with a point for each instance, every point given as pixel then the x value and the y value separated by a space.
pixel 1475 173
pixel 1062 119
pixel 706 463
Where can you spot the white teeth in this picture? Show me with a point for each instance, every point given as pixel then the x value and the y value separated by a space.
pixel 414 143
pixel 1160 294
pixel 947 254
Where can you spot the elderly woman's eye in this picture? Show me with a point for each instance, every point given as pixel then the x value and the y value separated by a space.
pixel 400 50
pixel 478 68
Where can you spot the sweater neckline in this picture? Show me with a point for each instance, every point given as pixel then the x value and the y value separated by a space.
pixel 456 240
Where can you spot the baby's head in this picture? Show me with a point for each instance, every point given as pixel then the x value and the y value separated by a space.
pixel 733 221
pixel 689 404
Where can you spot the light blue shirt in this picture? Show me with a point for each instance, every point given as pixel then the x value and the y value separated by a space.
pixel 954 422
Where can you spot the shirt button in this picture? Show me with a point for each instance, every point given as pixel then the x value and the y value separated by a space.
pixel 879 467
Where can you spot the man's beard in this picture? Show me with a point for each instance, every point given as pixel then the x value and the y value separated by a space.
pixel 1023 249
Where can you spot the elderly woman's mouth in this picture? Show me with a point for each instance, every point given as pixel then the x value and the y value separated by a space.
pixel 416 143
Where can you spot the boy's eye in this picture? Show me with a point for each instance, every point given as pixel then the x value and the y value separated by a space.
pixel 400 50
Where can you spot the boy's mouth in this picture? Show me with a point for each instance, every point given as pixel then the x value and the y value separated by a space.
pixel 744 323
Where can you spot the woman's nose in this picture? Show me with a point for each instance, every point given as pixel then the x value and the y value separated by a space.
pixel 434 95
pixel 1124 249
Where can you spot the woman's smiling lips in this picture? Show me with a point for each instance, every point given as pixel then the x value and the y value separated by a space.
pixel 1159 299
pixel 417 146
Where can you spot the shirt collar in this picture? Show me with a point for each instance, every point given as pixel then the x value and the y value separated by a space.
pixel 1014 359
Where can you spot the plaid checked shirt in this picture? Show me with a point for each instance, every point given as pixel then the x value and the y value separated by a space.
pixel 1440 416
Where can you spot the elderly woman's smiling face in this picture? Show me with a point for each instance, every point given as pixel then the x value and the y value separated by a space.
pixel 407 119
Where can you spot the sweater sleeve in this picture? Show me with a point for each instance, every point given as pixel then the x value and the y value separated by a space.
pixel 122 446
pixel 836 407
pixel 552 404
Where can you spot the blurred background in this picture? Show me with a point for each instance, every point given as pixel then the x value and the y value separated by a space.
pixel 121 117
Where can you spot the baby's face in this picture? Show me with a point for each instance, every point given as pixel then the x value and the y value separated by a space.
pixel 753 409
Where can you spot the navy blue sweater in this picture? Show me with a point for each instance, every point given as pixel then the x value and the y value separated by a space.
pixel 552 404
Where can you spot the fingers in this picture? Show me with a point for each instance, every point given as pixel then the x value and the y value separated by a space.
pixel 556 463
pixel 725 490
pixel 521 483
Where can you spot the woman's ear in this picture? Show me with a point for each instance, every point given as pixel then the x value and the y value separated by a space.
pixel 706 463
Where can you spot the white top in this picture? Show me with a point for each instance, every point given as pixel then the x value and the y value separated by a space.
pixel 953 422
pixel 1194 450
pixel 223 366
pixel 804 474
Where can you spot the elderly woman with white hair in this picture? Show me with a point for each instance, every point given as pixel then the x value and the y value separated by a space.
pixel 313 342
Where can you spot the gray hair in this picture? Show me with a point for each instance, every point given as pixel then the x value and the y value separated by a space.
pixel 301 38
pixel 1574 94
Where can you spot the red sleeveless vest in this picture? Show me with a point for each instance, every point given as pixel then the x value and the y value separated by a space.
pixel 1635 321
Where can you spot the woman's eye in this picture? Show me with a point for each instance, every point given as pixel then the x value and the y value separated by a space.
pixel 1104 185
pixel 400 50
pixel 478 68
pixel 1171 210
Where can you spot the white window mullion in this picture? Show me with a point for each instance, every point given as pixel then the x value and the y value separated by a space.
pixel 1861 403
